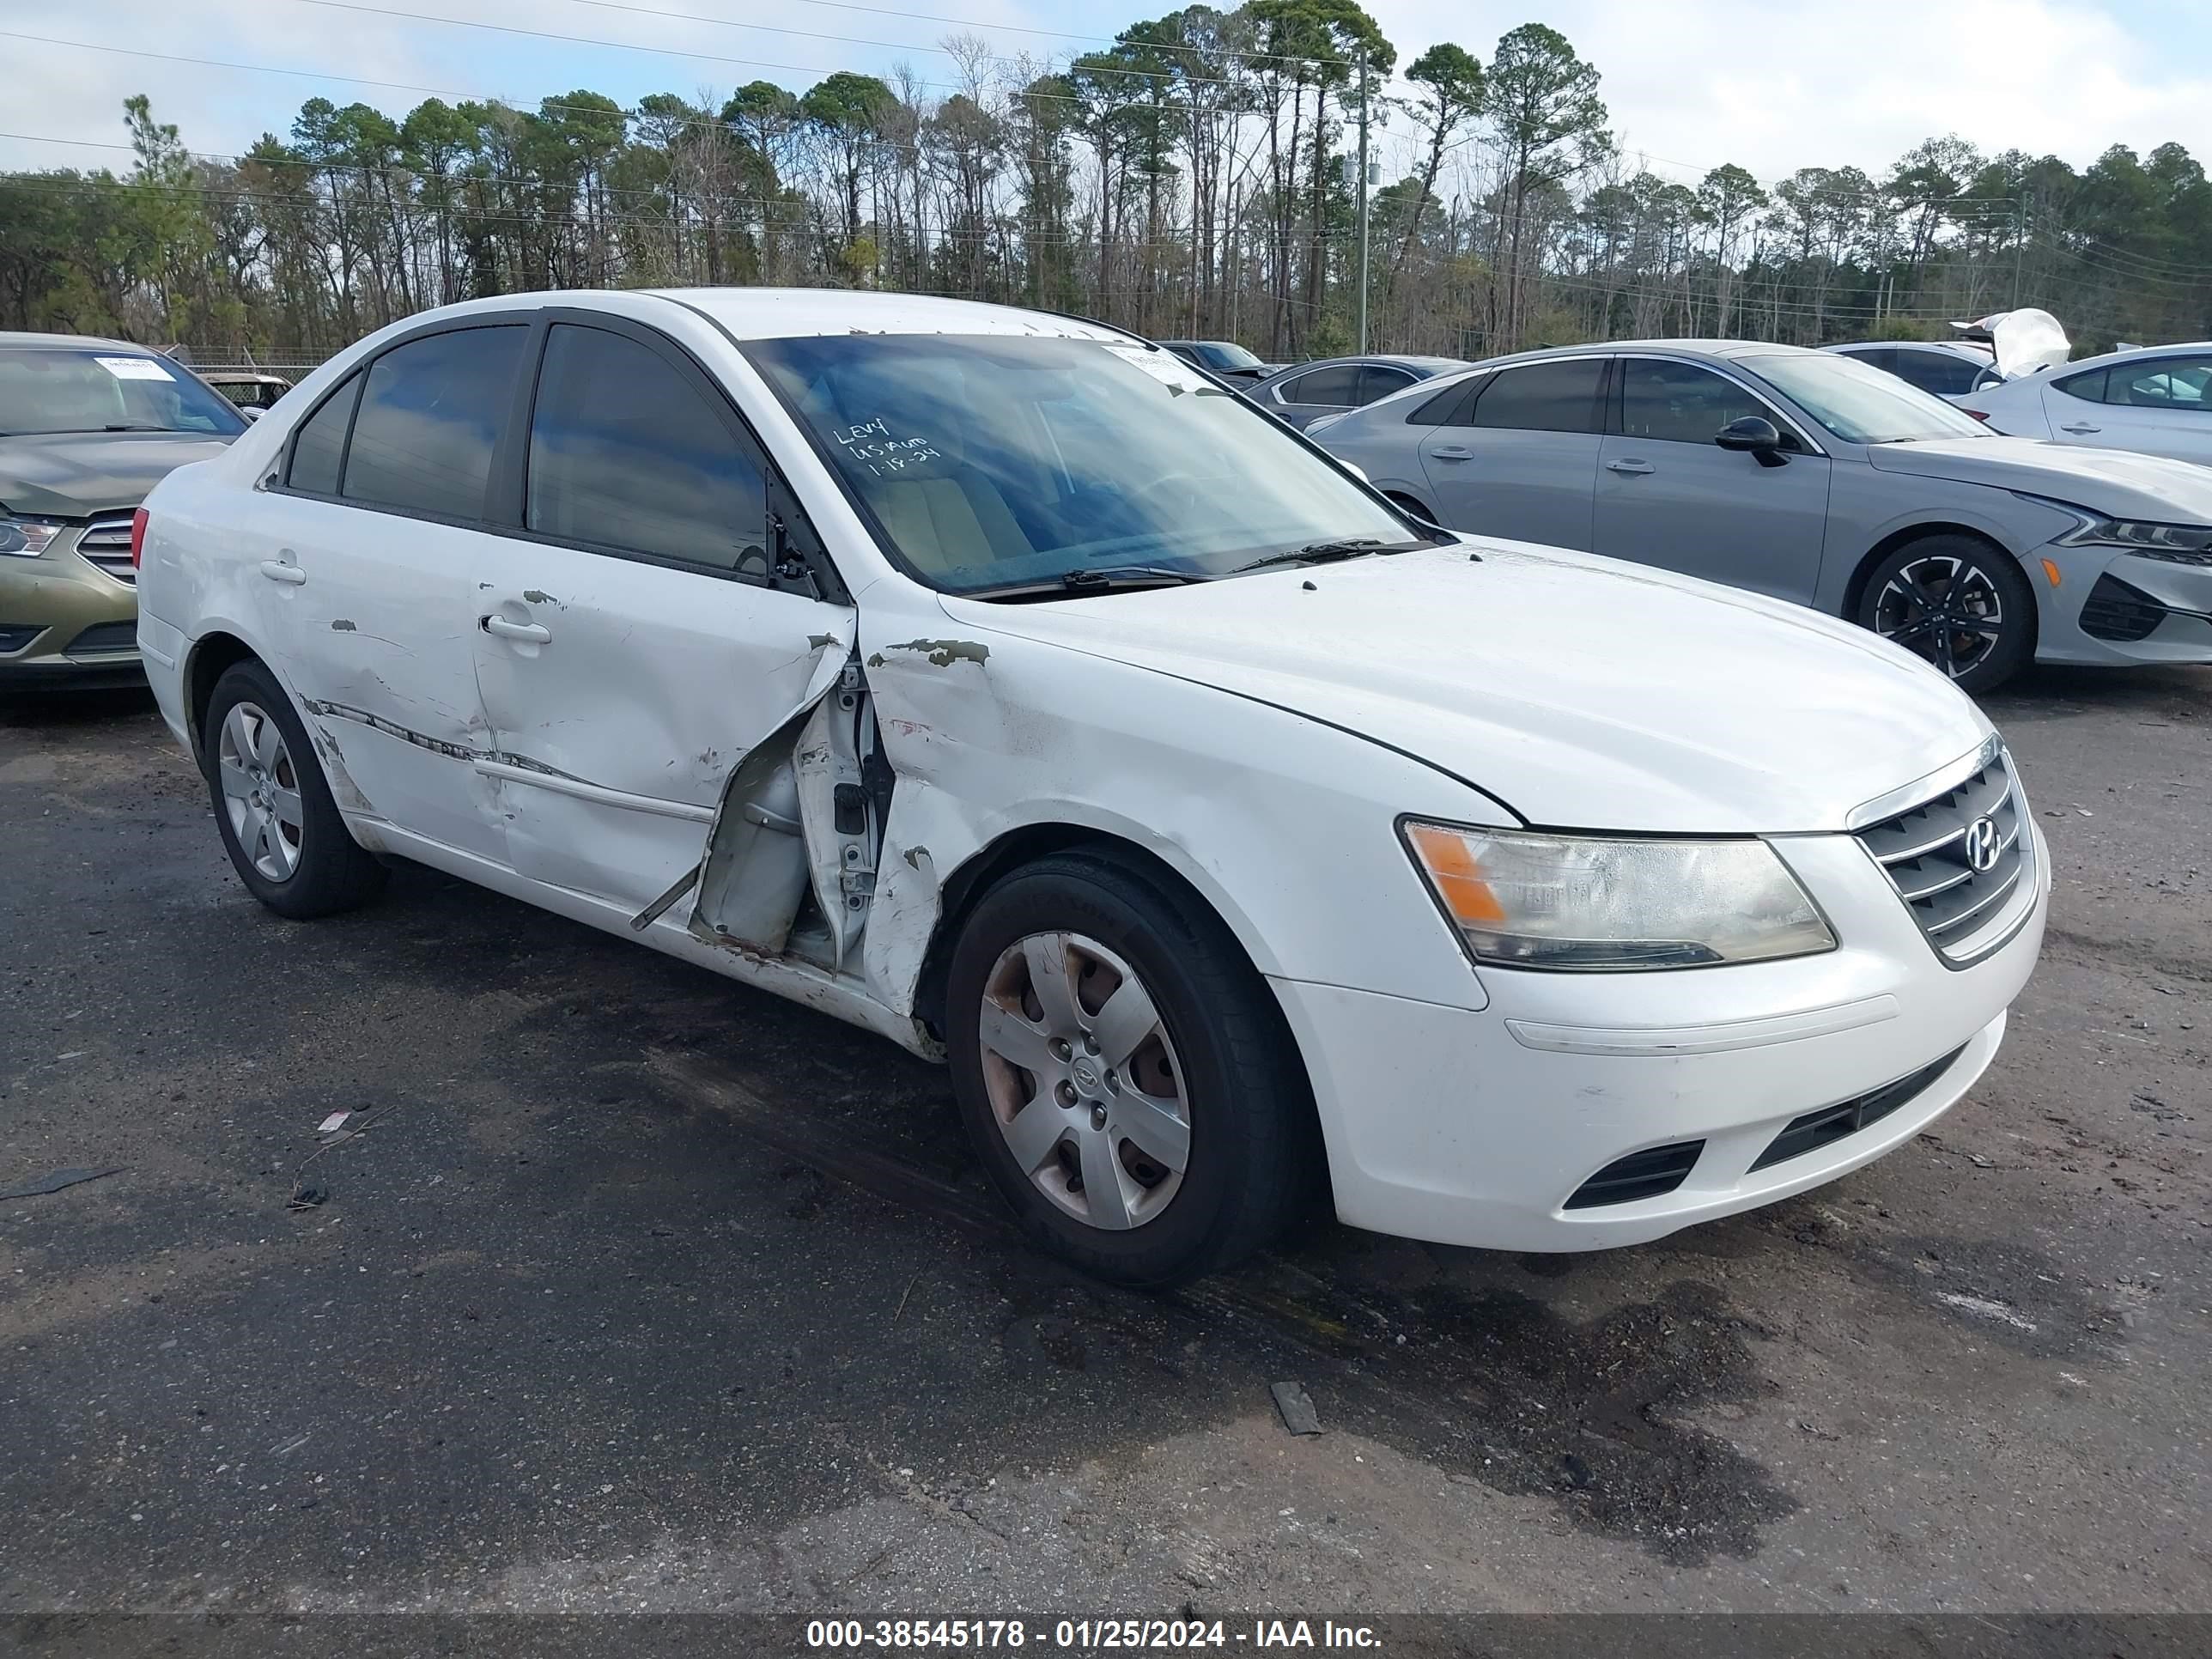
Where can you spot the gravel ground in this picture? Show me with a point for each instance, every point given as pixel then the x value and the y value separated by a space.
pixel 648 1291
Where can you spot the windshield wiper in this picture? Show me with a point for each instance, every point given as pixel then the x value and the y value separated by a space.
pixel 139 426
pixel 1111 579
pixel 1349 547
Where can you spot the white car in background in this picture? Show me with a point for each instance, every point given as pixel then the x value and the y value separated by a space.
pixel 2156 400
pixel 998 682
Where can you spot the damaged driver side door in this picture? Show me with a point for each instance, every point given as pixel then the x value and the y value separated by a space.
pixel 653 617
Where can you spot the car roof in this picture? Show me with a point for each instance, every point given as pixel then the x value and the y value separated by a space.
pixel 775 313
pixel 72 343
pixel 2134 355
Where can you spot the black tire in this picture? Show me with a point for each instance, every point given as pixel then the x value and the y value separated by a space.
pixel 1907 592
pixel 333 872
pixel 1253 1158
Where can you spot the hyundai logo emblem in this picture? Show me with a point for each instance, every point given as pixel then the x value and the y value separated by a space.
pixel 1982 844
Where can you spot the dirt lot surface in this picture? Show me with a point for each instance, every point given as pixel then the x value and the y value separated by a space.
pixel 651 1291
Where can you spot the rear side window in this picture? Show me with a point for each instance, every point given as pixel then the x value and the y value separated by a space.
pixel 1554 397
pixel 1333 388
pixel 1448 406
pixel 430 414
pixel 1680 403
pixel 318 446
pixel 2089 388
pixel 626 453
pixel 1884 357
pixel 1939 372
pixel 2161 383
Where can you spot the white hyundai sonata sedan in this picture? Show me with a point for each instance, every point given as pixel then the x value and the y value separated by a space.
pixel 996 682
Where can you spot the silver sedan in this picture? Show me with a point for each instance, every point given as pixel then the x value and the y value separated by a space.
pixel 1810 478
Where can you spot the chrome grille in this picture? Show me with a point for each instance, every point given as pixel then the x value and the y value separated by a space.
pixel 1924 852
pixel 106 543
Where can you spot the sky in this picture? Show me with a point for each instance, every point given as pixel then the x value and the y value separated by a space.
pixel 1772 85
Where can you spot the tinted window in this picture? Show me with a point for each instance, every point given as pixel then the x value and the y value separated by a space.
pixel 1228 355
pixel 430 414
pixel 1377 381
pixel 625 451
pixel 1939 372
pixel 319 448
pixel 1555 397
pixel 1680 403
pixel 2161 383
pixel 1336 388
pixel 1876 357
pixel 2090 388
pixel 1448 407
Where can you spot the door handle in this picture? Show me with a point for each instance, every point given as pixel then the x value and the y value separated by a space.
pixel 1451 452
pixel 278 571
pixel 530 633
pixel 2081 426
pixel 1630 466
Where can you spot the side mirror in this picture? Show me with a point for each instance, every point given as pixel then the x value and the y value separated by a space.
pixel 1757 434
pixel 251 414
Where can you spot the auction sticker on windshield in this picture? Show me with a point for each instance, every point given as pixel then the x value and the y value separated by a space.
pixel 134 368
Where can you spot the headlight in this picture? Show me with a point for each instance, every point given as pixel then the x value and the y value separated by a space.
pixel 1527 900
pixel 27 538
pixel 2179 544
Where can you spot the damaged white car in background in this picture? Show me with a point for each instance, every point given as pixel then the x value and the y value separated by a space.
pixel 996 682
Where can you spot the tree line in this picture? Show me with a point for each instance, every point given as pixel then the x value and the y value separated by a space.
pixel 1191 178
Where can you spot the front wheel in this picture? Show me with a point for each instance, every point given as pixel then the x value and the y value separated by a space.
pixel 1124 1073
pixel 284 832
pixel 1957 603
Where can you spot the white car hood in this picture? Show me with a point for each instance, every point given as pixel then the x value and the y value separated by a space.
pixel 1581 692
pixel 2116 482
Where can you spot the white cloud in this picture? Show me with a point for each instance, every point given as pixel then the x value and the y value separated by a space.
pixel 1780 85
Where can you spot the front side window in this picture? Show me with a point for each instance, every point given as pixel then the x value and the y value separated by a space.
pixel 626 453
pixel 2161 383
pixel 1555 397
pixel 1680 403
pixel 1860 406
pixel 318 446
pixel 430 414
pixel 1333 388
pixel 1002 460
pixel 1377 381
pixel 94 390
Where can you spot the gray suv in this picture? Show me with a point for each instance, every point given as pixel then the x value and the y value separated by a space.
pixel 1813 478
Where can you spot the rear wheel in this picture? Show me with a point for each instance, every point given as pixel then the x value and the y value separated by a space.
pixel 1124 1073
pixel 1959 604
pixel 284 833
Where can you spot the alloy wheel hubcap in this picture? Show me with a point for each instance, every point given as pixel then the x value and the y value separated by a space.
pixel 260 791
pixel 1082 1082
pixel 1943 608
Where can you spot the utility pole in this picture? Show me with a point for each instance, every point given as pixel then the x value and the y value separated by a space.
pixel 1362 201
pixel 2019 247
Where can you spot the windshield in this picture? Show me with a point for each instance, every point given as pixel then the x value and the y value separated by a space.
pixel 1860 404
pixel 93 391
pixel 1227 354
pixel 998 460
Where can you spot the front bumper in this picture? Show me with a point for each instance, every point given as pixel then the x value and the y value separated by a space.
pixel 1477 1128
pixel 2111 607
pixel 65 622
